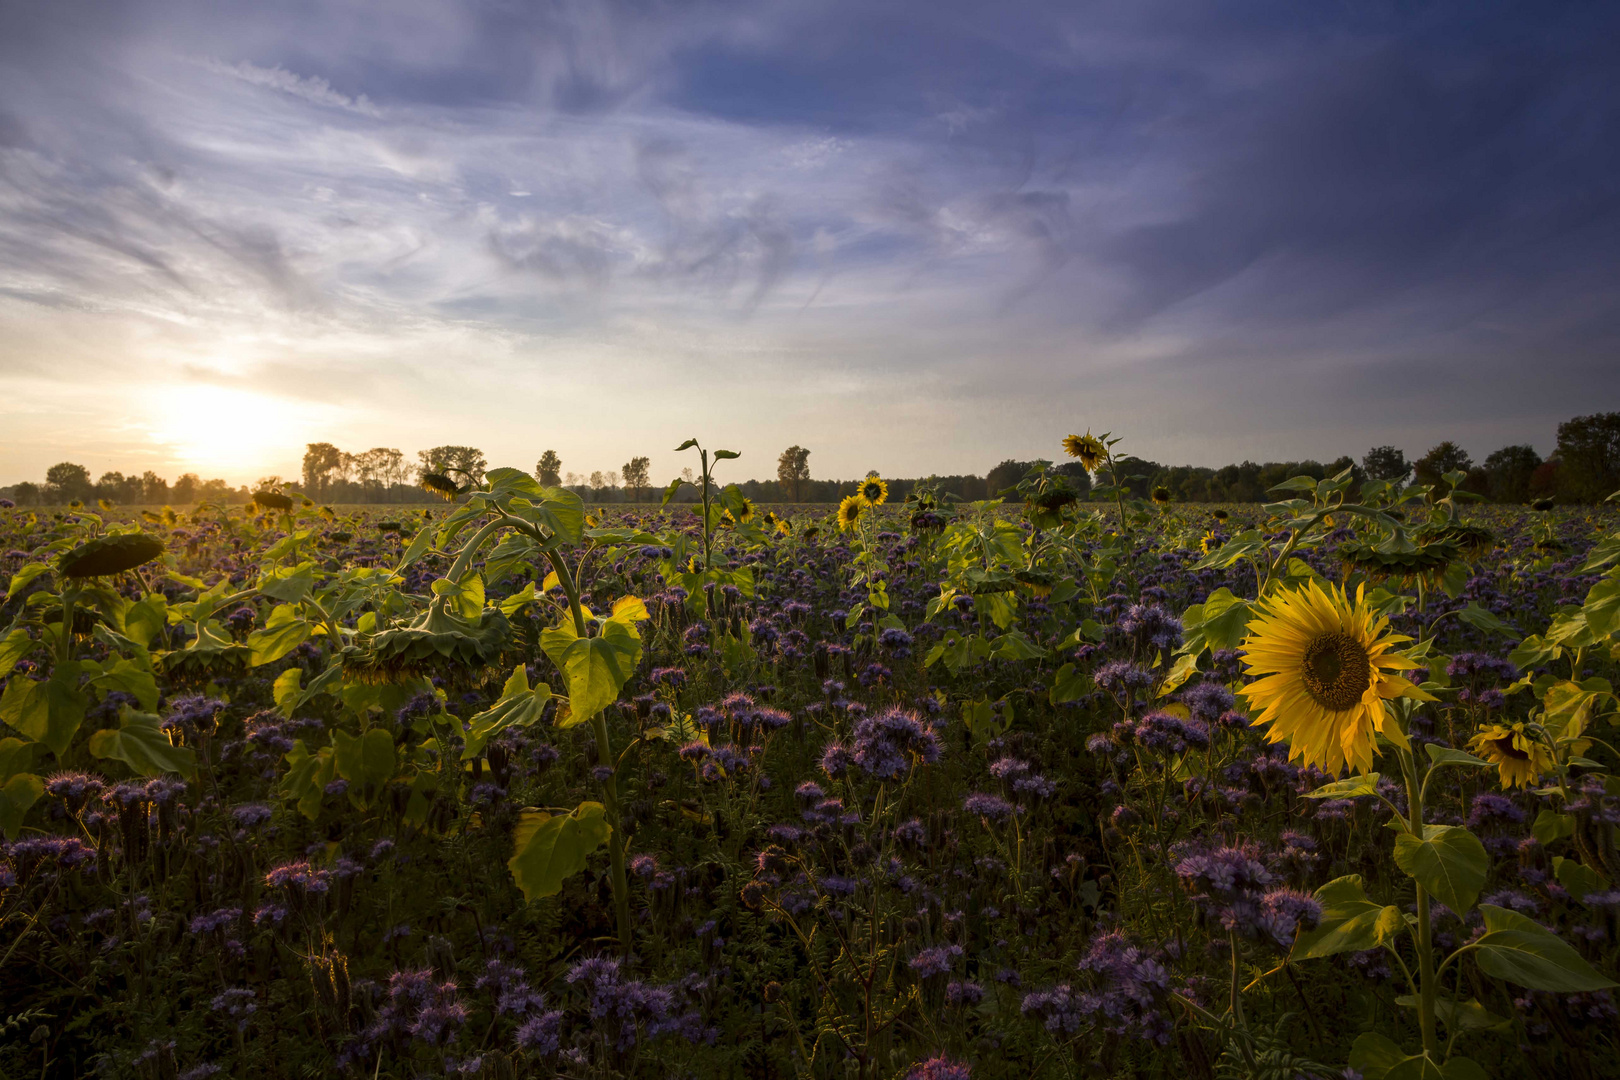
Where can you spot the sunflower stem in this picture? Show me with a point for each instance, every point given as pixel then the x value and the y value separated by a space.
pixel 1425 950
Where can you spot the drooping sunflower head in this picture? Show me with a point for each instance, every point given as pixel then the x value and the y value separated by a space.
pixel 747 514
pixel 1325 667
pixel 441 485
pixel 783 528
pixel 272 500
pixel 874 490
pixel 1520 759
pixel 1088 448
pixel 1542 505
pixel 1161 496
pixel 850 511
pixel 110 554
pixel 769 520
pixel 1220 515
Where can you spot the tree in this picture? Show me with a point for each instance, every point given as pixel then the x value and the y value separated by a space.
pixel 185 488
pixel 67 481
pixel 1508 472
pixel 638 476
pixel 26 493
pixel 1589 456
pixel 793 469
pixel 321 460
pixel 1005 475
pixel 468 462
pixel 549 469
pixel 1441 459
pixel 1386 463
pixel 597 482
pixel 154 489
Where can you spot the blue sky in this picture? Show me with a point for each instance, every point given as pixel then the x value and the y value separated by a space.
pixel 915 237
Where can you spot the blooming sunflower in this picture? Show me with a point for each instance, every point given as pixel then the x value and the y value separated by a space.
pixel 1327 668
pixel 1161 496
pixel 1088 448
pixel 874 491
pixel 1211 540
pixel 1519 757
pixel 747 514
pixel 850 511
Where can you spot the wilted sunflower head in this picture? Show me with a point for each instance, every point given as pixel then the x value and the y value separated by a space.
pixel 1161 496
pixel 272 500
pixel 459 651
pixel 441 485
pixel 1519 757
pixel 327 514
pixel 1088 448
pixel 1542 504
pixel 874 490
pixel 1325 669
pixel 1472 541
pixel 1220 515
pixel 1381 562
pixel 111 554
pixel 850 511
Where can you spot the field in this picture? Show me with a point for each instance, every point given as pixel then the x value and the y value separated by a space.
pixel 513 786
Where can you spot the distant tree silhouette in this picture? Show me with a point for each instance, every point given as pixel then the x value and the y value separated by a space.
pixel 793 469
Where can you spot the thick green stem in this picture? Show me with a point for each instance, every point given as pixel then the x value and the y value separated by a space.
pixel 64 644
pixel 604 758
pixel 1427 983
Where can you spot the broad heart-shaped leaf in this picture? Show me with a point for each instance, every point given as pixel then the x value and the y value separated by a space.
pixel 141 743
pixel 1355 786
pixel 549 849
pixel 26 574
pixel 17 794
pixel 1467 1015
pixel 1523 951
pixel 420 543
pixel 1442 755
pixel 13 647
pixel 596 668
pixel 1374 1055
pixel 669 492
pixel 1449 861
pixel 1578 878
pixel 283 632
pixel 288 584
pixel 1550 826
pixel 366 761
pixel 464 597
pixel 1070 684
pixel 558 509
pixel 518 706
pixel 1480 619
pixel 307 777
pixel 145 619
pixel 1350 921
pixel 1602 606
pixel 48 712
pixel 130 676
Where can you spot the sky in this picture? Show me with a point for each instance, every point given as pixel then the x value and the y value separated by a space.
pixel 913 237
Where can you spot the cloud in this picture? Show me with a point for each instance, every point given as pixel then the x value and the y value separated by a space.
pixel 1222 229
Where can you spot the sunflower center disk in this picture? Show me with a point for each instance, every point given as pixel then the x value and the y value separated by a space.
pixel 1337 671
pixel 1506 748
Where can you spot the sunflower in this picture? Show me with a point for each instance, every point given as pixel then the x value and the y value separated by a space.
pixel 850 511
pixel 1210 541
pixel 874 491
pixel 1088 448
pixel 1161 496
pixel 1328 667
pixel 747 514
pixel 783 528
pixel 1520 758
pixel 1220 515
pixel 441 485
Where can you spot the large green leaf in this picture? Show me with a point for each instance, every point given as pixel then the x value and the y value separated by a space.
pixel 24 575
pixel 366 761
pixel 1354 787
pixel 1467 1015
pixel 596 668
pixel 289 584
pixel 141 743
pixel 13 647
pixel 17 794
pixel 49 712
pixel 1350 921
pixel 464 597
pixel 550 848
pixel 283 632
pixel 145 619
pixel 1602 606
pixel 1449 861
pixel 1522 951
pixel 519 706
pixel 307 777
pixel 130 676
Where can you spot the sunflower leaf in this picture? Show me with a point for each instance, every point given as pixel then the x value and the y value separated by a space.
pixel 1448 861
pixel 1524 952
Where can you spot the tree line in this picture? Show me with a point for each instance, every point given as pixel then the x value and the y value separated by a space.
pixel 1584 468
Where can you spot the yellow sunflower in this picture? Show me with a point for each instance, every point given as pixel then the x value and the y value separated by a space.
pixel 1327 668
pixel 747 514
pixel 1209 542
pixel 1161 496
pixel 1519 757
pixel 783 528
pixel 1088 448
pixel 850 511
pixel 874 491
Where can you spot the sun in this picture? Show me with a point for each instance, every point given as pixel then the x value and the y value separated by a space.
pixel 220 431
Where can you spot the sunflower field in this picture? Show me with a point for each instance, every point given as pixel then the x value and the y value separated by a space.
pixel 1041 786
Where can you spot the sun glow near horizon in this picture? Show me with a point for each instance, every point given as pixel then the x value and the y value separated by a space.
pixel 238 435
